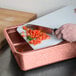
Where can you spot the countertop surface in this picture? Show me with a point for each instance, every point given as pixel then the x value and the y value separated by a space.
pixel 9 67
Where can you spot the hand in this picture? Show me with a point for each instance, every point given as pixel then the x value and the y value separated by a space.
pixel 67 32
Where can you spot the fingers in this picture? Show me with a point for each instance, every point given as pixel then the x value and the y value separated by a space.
pixel 59 36
pixel 67 32
pixel 62 30
pixel 67 37
pixel 58 33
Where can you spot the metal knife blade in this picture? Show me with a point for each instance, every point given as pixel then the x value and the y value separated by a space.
pixel 42 28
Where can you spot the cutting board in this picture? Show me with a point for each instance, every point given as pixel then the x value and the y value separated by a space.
pixel 45 43
pixel 12 18
pixel 54 20
pixel 58 18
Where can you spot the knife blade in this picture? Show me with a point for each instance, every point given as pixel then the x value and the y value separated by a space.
pixel 42 28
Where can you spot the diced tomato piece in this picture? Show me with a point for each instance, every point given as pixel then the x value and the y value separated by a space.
pixel 48 37
pixel 25 28
pixel 43 37
pixel 27 33
pixel 30 30
pixel 38 40
pixel 33 32
pixel 22 32
pixel 35 42
pixel 32 36
pixel 23 35
pixel 31 42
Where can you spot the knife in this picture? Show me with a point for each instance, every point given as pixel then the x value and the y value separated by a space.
pixel 42 28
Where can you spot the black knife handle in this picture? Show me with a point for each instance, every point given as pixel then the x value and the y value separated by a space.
pixel 55 29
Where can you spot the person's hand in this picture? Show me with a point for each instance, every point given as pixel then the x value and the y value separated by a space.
pixel 67 32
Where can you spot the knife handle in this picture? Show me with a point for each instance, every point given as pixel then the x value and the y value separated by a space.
pixel 54 30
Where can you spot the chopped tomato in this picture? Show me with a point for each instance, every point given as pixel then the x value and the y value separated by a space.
pixel 25 28
pixel 23 32
pixel 35 36
pixel 23 35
